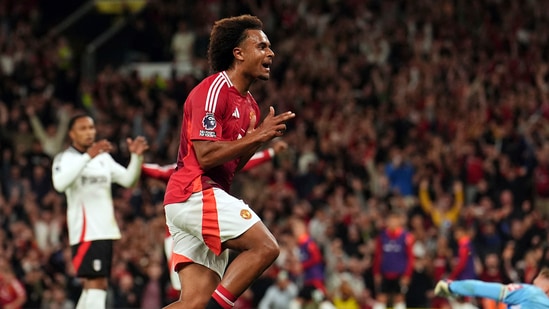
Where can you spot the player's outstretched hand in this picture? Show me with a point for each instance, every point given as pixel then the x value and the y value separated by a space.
pixel 99 147
pixel 138 145
pixel 272 126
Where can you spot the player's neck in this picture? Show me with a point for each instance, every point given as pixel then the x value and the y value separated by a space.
pixel 80 148
pixel 241 81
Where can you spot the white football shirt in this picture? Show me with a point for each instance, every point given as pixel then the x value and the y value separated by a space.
pixel 87 186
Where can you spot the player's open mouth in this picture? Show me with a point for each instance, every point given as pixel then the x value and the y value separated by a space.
pixel 267 65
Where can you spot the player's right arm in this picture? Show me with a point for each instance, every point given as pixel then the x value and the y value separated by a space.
pixel 66 169
pixel 214 153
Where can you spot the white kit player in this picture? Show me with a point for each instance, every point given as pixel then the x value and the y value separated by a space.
pixel 85 172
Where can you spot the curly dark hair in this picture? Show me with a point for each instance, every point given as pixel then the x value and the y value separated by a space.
pixel 226 34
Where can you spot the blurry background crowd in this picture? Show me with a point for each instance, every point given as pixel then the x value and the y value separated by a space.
pixel 436 111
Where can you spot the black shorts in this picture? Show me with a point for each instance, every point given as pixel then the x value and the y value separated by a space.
pixel 391 286
pixel 92 259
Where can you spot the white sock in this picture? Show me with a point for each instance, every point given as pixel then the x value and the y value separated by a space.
pixel 378 305
pixel 399 306
pixel 82 300
pixel 96 299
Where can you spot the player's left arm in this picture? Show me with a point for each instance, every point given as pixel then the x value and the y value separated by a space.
pixel 160 172
pixel 266 155
pixel 127 177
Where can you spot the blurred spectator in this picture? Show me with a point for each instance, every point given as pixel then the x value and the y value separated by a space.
pixel 400 173
pixel 57 299
pixel 12 292
pixel 280 294
pixel 444 212
pixel 420 291
pixel 183 43
pixel 52 137
pixel 393 262
pixel 492 272
pixel 125 293
pixel 310 256
pixel 311 298
pixel 464 264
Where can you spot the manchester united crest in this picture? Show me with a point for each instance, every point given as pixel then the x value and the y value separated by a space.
pixel 245 214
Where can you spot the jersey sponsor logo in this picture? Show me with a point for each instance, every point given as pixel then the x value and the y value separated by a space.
pixel 96 265
pixel 513 287
pixel 245 214
pixel 209 122
pixel 392 246
pixel 91 180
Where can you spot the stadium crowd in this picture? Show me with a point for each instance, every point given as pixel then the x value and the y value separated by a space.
pixel 432 112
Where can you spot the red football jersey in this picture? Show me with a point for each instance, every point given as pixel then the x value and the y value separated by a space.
pixel 213 111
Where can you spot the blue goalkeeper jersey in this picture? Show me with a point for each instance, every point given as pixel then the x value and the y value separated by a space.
pixel 524 296
pixel 516 296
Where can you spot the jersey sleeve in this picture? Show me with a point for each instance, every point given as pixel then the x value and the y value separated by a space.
pixel 157 171
pixel 514 294
pixel 126 177
pixel 66 168
pixel 207 109
pixel 511 294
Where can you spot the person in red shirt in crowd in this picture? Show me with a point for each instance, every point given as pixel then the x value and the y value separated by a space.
pixel 393 262
pixel 12 291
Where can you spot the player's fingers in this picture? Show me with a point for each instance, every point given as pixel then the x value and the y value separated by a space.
pixel 284 116
pixel 281 128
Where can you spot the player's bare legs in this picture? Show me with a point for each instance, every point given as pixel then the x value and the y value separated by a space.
pixel 197 285
pixel 258 250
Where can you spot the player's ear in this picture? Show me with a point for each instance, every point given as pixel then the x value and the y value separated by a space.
pixel 237 53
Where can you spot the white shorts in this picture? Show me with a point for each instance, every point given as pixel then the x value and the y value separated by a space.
pixel 202 223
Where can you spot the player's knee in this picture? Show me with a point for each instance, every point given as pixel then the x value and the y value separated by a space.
pixel 270 250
